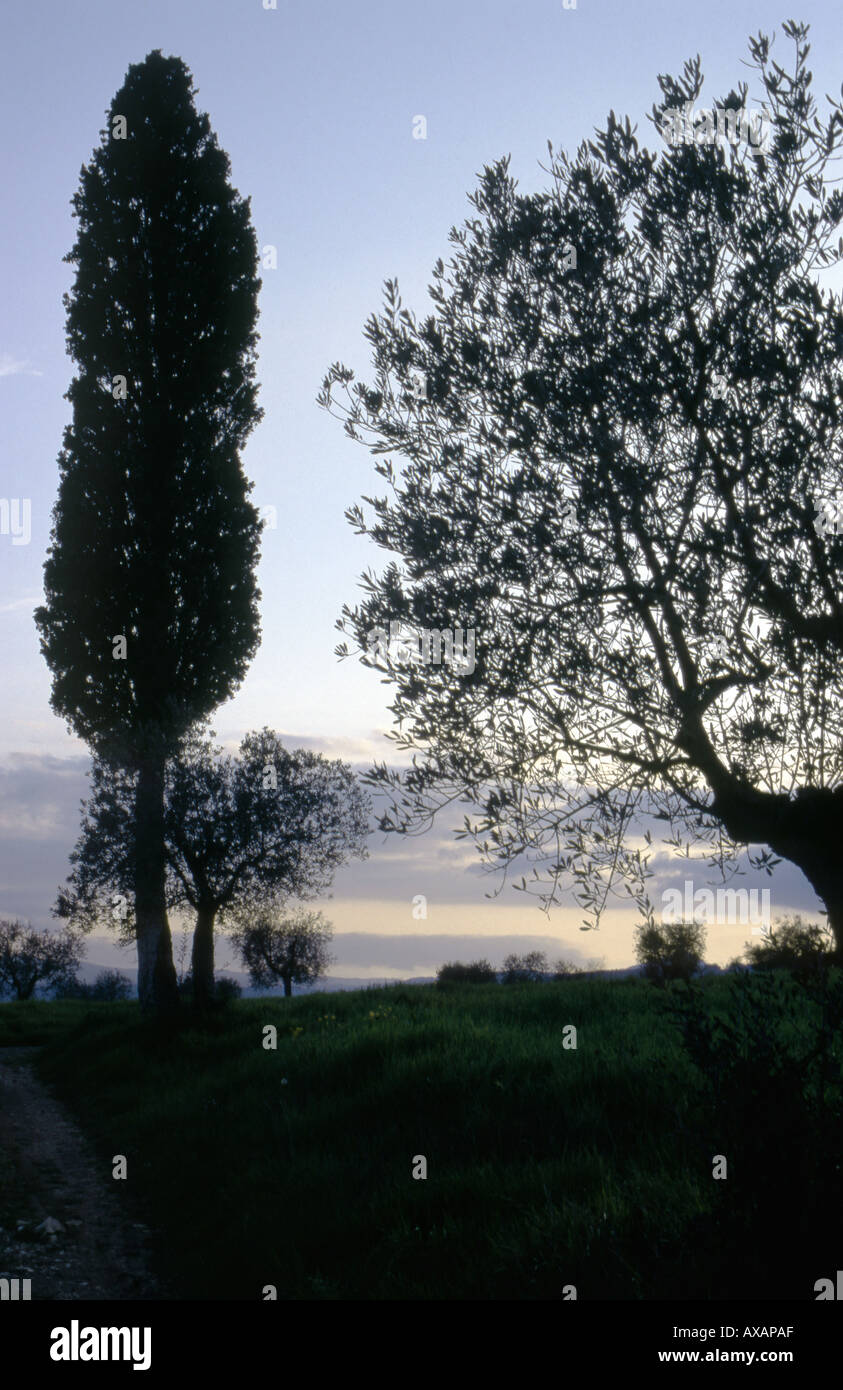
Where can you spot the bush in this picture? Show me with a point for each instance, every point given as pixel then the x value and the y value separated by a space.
pixel 522 969
pixel 673 951
pixel 72 988
pixel 805 949
pixel 111 985
pixel 473 972
pixel 108 987
pixel 774 1098
pixel 225 989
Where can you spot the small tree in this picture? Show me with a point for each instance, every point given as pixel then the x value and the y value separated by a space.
pixel 803 948
pixel 293 949
pixel 29 958
pixel 519 969
pixel 673 951
pixel 473 972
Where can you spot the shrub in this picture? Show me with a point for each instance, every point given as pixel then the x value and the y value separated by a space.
pixel 473 972
pixel 673 951
pixel 806 949
pixel 225 989
pixel 773 1096
pixel 111 985
pixel 521 969
pixel 72 988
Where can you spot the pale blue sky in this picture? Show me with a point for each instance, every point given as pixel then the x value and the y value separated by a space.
pixel 314 104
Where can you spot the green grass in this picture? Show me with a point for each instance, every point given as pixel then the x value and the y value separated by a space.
pixel 35 1021
pixel 546 1166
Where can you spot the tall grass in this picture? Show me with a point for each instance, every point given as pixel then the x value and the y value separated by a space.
pixel 547 1166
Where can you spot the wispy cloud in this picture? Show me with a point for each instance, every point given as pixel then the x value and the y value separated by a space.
pixel 17 603
pixel 14 366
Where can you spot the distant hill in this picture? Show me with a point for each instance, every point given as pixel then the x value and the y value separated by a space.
pixel 335 984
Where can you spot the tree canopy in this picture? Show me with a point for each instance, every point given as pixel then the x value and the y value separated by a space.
pixel 647 347
pixel 29 958
pixel 291 948
pixel 150 616
pixel 268 823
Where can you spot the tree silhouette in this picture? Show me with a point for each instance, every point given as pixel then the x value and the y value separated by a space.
pixel 622 469
pixel 293 949
pixel 29 958
pixel 151 612
pixel 673 951
pixel 266 824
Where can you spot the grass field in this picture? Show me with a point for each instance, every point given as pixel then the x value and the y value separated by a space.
pixel 547 1166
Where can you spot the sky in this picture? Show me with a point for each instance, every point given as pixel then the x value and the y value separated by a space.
pixel 316 106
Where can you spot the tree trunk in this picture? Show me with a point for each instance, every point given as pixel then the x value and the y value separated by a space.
pixel 825 874
pixel 288 986
pixel 157 982
pixel 203 958
pixel 807 830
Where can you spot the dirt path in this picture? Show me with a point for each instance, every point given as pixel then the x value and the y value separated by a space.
pixel 49 1173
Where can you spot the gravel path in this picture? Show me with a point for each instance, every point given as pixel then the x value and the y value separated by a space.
pixel 65 1223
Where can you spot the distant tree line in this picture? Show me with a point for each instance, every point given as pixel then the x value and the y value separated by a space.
pixel 672 951
pixel 277 947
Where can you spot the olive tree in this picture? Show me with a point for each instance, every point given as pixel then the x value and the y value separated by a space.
pixel 265 823
pixel 612 452
pixel 291 947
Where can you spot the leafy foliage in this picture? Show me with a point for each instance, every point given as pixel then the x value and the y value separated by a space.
pixel 109 985
pixel 529 968
pixel 565 969
pixel 770 1054
pixel 658 615
pixel 803 948
pixel 225 988
pixel 474 972
pixel 151 615
pixel 266 820
pixel 293 949
pixel 673 951
pixel 29 958
pixel 154 536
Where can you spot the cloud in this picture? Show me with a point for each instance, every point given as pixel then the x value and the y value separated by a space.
pixel 423 955
pixel 16 604
pixel 13 366
pixel 39 824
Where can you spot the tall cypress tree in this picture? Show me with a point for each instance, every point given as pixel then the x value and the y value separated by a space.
pixel 151 615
